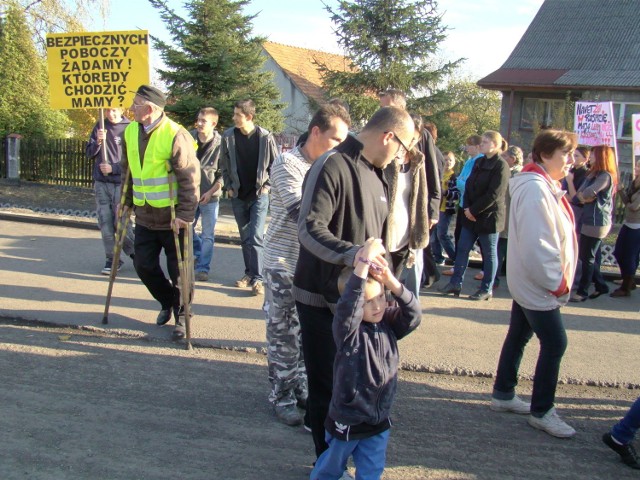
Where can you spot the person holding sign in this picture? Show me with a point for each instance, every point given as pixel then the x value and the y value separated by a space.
pixel 164 173
pixel 596 195
pixel 105 148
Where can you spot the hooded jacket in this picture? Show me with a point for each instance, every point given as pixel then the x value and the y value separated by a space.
pixel 542 249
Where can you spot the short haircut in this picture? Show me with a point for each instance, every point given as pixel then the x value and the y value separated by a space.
pixel 418 122
pixel 584 150
pixel 388 119
pixel 474 140
pixel 339 102
pixel 398 98
pixel 432 129
pixel 322 118
pixel 209 111
pixel 247 107
pixel 344 276
pixel 548 141
pixel 515 153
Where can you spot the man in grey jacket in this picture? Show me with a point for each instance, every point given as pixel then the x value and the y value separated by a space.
pixel 208 152
pixel 247 153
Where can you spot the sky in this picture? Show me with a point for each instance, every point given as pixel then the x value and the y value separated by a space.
pixel 482 31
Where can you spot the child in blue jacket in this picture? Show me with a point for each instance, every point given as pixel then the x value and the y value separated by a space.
pixel 365 370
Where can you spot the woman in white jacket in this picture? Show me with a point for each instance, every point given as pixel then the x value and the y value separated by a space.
pixel 541 261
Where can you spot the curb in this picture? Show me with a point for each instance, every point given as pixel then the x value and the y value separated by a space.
pixel 88 224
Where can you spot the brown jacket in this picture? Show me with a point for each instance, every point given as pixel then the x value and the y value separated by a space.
pixel 187 171
pixel 418 201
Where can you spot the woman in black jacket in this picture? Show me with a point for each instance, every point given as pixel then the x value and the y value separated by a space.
pixel 484 215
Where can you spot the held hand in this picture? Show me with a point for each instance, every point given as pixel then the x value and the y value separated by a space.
pixel 178 224
pixel 386 277
pixel 372 252
pixel 432 222
pixel 101 135
pixel 204 199
pixel 105 168
pixel 469 215
pixel 230 193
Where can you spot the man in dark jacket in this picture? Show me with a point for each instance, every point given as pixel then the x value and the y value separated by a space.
pixel 105 149
pixel 208 152
pixel 344 202
pixel 247 154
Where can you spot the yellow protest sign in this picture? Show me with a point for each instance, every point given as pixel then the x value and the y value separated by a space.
pixel 96 69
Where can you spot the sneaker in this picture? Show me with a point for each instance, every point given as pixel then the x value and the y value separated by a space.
pixel 244 282
pixel 448 273
pixel 257 288
pixel 479 276
pixel 627 453
pixel 106 270
pixel 552 424
pixel 515 405
pixel 288 414
pixel 202 276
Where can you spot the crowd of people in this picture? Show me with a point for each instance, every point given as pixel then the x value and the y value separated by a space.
pixel 359 222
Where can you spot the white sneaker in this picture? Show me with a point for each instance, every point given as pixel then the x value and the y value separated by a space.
pixel 552 424
pixel 244 282
pixel 515 405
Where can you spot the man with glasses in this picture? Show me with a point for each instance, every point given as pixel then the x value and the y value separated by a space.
pixel 164 171
pixel 208 152
pixel 344 202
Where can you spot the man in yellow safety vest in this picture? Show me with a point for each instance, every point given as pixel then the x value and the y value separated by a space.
pixel 164 171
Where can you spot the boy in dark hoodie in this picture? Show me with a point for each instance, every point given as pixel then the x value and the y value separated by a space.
pixel 366 331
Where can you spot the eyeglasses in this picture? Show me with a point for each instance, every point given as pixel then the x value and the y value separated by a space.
pixel 395 136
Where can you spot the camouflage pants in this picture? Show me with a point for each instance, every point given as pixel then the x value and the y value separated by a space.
pixel 287 374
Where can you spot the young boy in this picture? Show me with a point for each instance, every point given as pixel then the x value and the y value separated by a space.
pixel 366 364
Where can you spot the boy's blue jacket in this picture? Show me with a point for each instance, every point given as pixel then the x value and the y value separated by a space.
pixel 366 362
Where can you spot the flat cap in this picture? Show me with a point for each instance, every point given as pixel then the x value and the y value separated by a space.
pixel 152 94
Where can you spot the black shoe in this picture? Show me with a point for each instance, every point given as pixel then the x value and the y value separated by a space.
pixel 627 453
pixel 597 293
pixel 450 288
pixel 481 295
pixel 163 317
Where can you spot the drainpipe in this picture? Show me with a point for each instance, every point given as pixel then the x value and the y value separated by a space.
pixel 511 99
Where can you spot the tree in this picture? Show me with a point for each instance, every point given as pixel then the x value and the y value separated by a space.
pixel 214 61
pixel 24 96
pixel 391 44
pixel 460 110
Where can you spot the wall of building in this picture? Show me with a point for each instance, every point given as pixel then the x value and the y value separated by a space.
pixel 523 137
pixel 297 112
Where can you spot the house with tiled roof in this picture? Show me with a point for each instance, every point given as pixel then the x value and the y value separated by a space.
pixel 573 50
pixel 298 78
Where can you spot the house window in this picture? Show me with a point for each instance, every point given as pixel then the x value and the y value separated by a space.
pixel 542 113
pixel 622 113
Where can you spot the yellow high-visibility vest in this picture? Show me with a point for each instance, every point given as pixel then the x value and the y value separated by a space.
pixel 151 179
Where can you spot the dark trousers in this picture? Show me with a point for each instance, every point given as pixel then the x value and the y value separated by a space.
pixel 148 246
pixel 627 250
pixel 548 327
pixel 430 272
pixel 319 351
pixel 589 251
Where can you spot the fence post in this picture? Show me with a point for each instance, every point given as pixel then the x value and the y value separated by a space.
pixel 13 158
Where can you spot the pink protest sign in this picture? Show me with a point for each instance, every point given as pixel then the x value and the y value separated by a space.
pixel 594 124
pixel 635 120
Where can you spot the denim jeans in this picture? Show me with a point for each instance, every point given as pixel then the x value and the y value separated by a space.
pixel 203 243
pixel 625 430
pixel 107 198
pixel 369 457
pixel 442 232
pixel 548 327
pixel 489 245
pixel 589 251
pixel 627 250
pixel 435 246
pixel 412 277
pixel 251 216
